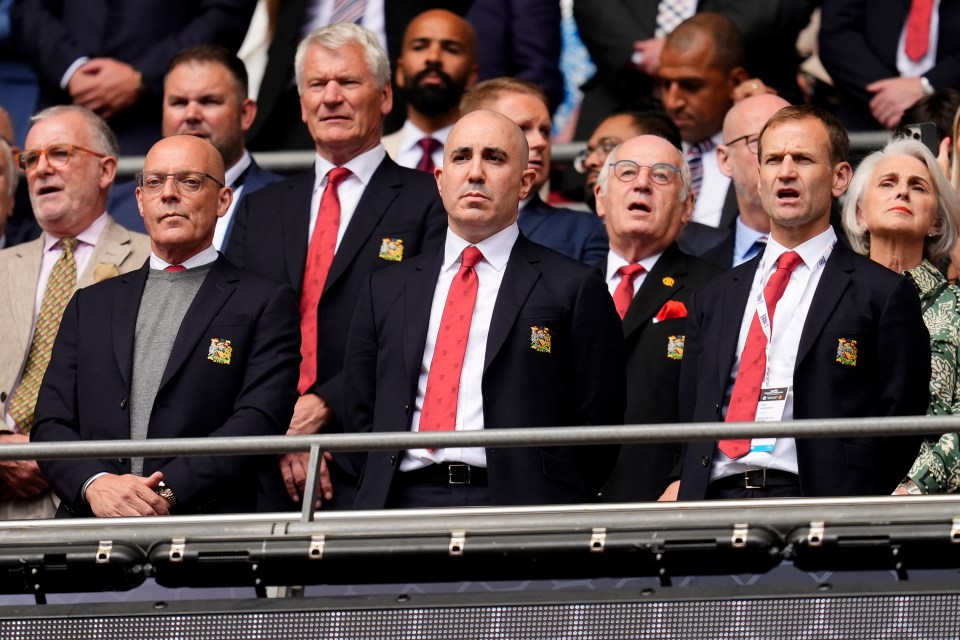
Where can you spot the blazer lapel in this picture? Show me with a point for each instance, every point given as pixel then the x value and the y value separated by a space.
pixel 518 280
pixel 295 213
pixel 833 282
pixel 22 279
pixel 111 250
pixel 734 306
pixel 126 305
pixel 661 284
pixel 213 294
pixel 420 289
pixel 376 199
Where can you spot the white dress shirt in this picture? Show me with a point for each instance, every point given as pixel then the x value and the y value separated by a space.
pixel 907 67
pixel 496 252
pixel 86 242
pixel 231 175
pixel 615 261
pixel 362 169
pixel 788 323
pixel 409 151
pixel 713 190
pixel 206 256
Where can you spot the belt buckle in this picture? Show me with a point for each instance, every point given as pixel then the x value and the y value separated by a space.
pixel 458 474
pixel 749 474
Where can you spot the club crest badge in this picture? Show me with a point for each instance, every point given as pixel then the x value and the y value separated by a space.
pixel 675 347
pixel 540 339
pixel 219 351
pixel 847 352
pixel 391 249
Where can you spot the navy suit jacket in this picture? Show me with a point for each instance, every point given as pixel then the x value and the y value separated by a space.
pixel 577 381
pixel 145 34
pixel 122 201
pixel 856 299
pixel 270 236
pixel 858 45
pixel 654 351
pixel 576 234
pixel 87 384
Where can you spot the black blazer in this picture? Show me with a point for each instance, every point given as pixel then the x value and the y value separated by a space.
pixel 856 299
pixel 85 390
pixel 653 373
pixel 579 381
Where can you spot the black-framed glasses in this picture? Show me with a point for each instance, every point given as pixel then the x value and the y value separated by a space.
pixel 57 156
pixel 628 170
pixel 752 140
pixel 185 181
pixel 605 146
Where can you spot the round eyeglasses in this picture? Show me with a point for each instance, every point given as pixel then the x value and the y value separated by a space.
pixel 185 181
pixel 751 140
pixel 57 156
pixel 603 149
pixel 628 170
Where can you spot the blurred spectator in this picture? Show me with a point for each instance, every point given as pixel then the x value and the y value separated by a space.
pixel 616 128
pixel 878 68
pixel 737 159
pixel 205 95
pixel 8 187
pixel 438 64
pixel 576 234
pixel 70 162
pixel 355 211
pixel 644 198
pixel 110 57
pixel 18 82
pixel 940 108
pixel 902 212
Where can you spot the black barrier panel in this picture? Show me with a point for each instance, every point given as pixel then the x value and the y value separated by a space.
pixel 901 616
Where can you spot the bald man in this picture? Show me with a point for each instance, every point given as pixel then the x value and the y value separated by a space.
pixel 540 345
pixel 187 346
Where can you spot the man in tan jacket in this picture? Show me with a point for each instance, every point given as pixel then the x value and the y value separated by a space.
pixel 70 162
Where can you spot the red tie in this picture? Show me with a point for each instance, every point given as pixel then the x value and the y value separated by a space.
pixel 174 268
pixel 428 146
pixel 623 294
pixel 918 29
pixel 319 257
pixel 753 360
pixel 439 412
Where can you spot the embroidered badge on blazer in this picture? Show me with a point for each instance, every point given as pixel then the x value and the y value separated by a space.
pixel 391 249
pixel 675 347
pixel 540 339
pixel 847 352
pixel 219 351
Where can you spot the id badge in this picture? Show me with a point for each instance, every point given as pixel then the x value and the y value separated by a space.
pixel 773 401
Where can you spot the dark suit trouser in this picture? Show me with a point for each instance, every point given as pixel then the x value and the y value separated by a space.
pixel 421 495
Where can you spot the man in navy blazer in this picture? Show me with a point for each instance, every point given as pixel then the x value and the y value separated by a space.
pixel 387 215
pixel 543 346
pixel 187 346
pixel 576 234
pixel 205 95
pixel 847 339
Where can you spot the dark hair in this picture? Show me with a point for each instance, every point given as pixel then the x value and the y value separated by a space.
pixel 727 40
pixel 939 108
pixel 652 122
pixel 213 53
pixel 837 134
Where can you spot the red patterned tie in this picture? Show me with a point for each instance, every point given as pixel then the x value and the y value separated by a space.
pixel 319 258
pixel 439 412
pixel 918 29
pixel 623 294
pixel 428 146
pixel 753 360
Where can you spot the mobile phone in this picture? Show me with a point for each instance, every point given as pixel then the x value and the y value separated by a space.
pixel 925 132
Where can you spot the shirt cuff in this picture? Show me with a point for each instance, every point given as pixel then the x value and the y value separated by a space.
pixel 86 485
pixel 72 69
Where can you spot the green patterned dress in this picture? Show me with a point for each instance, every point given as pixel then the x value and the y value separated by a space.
pixel 937 467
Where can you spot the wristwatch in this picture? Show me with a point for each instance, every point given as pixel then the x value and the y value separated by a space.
pixel 166 493
pixel 925 86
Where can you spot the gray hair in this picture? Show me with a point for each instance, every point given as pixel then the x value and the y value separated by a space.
pixel 9 170
pixel 103 138
pixel 686 181
pixel 948 206
pixel 337 35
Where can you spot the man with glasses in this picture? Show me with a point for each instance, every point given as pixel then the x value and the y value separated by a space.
pixel 187 346
pixel 643 195
pixel 737 159
pixel 69 162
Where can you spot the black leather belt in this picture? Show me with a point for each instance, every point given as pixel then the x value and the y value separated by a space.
pixel 447 473
pixel 757 479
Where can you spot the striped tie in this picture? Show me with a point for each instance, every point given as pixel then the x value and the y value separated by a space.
pixel 63 279
pixel 695 160
pixel 348 11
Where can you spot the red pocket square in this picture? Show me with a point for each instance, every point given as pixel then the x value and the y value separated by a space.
pixel 672 309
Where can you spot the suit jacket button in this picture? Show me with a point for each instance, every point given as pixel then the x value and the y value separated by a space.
pixel 3 396
pixel 123 403
pixel 393 459
pixel 705 461
pixel 406 409
pixel 122 460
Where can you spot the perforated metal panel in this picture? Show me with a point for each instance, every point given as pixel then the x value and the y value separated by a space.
pixel 811 618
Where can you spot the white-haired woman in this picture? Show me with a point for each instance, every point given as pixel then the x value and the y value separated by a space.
pixel 903 213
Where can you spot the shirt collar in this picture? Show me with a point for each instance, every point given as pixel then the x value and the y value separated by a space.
pixel 926 278
pixel 238 168
pixel 362 166
pixel 716 139
pixel 744 238
pixel 89 236
pixel 412 135
pixel 206 256
pixel 615 261
pixel 810 251
pixel 495 249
